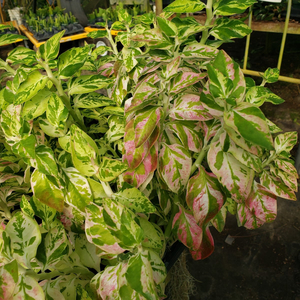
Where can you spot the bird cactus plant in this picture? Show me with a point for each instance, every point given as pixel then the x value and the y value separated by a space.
pixel 101 173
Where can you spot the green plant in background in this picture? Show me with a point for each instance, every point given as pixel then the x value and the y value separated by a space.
pixel 269 11
pixel 101 173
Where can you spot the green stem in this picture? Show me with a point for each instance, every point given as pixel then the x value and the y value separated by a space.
pixel 174 210
pixel 209 18
pixel 204 150
pixel 270 159
pixel 62 94
pixel 9 68
pixel 111 40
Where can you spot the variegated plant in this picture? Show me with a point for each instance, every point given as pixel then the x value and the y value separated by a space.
pixel 101 172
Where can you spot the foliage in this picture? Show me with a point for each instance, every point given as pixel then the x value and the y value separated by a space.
pixel 100 173
pixel 269 11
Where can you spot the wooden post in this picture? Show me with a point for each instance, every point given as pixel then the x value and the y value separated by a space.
pixel 159 7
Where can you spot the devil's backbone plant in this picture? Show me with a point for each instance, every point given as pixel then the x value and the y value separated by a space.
pixel 101 172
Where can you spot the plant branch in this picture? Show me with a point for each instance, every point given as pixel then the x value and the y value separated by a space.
pixel 111 40
pixel 209 18
pixel 270 159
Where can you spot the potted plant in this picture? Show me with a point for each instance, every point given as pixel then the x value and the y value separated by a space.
pixel 100 184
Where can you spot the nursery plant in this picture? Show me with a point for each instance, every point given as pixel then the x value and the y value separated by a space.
pixel 101 173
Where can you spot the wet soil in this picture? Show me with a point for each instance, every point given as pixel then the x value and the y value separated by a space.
pixel 260 264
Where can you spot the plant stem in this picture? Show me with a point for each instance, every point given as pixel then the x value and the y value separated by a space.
pixel 270 159
pixel 168 230
pixel 111 40
pixel 209 18
pixel 62 94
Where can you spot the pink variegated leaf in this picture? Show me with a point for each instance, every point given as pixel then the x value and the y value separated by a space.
pixel 8 279
pixel 144 172
pixel 172 68
pixel 204 196
pixel 220 218
pixel 285 141
pixel 211 106
pixel 106 70
pixel 186 133
pixel 189 107
pixel 236 177
pixel 259 208
pixel 183 80
pixel 287 166
pixel 145 123
pixel 175 165
pixel 151 67
pixel 197 50
pixel 210 128
pixel 207 245
pixel 288 179
pixel 276 186
pixel 165 200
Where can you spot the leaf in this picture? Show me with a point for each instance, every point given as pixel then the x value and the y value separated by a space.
pixel 84 151
pixel 97 232
pixel 28 288
pixel 79 193
pixel 87 83
pixel 21 55
pixel 25 237
pixel 8 279
pixel 184 6
pixel 174 166
pixel 199 51
pixel 92 100
pixel 167 26
pixel 26 207
pixel 87 252
pixel 45 160
pixel 134 199
pixel 288 179
pixel 210 105
pixel 72 60
pixel 30 87
pixel 57 113
pixel 183 80
pixel 249 121
pixel 285 141
pixel 36 106
pixel 145 123
pixel 72 219
pixel 226 29
pixel 236 177
pixel 6 39
pixel 231 7
pixel 47 190
pixel 49 129
pixel 189 107
pixel 204 196
pixel 116 129
pixel 275 186
pixel 259 94
pixel 119 90
pixel 110 169
pixel 97 34
pixel 50 49
pixel 129 58
pixel 219 220
pixel 259 208
pixel 26 147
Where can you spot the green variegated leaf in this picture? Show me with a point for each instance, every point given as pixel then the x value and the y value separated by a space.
pixel 285 141
pixel 50 49
pixel 259 94
pixel 72 60
pixel 46 189
pixel 52 290
pixel 236 177
pixel 110 169
pixel 46 213
pixel 25 148
pixel 30 87
pixel 288 179
pixel 204 196
pixel 210 105
pixel 97 232
pixel 87 83
pixel 249 121
pixel 26 207
pixel 116 129
pixel 271 75
pixel 84 152
pixel 175 166
pixel 119 220
pixel 8 279
pixel 87 252
pixel 65 142
pixel 231 7
pixel 185 6
pixel 273 127
pixel 167 26
pixel 79 192
pixel 57 113
pixel 92 100
pixel 21 55
pixel 28 288
pixel 98 34
pixel 171 68
pixel 6 39
pixel 159 271
pixel 276 186
pixel 196 50
pixel 220 219
pixel 97 190
pixel 226 29
pixel 49 129
pixel 37 105
pixel 259 208
pixel 72 219
pixel 119 90
pixel 183 80
pixel 129 58
pixel 45 160
pixel 189 107
pixel 287 166
pixel 153 236
pixel 134 199
pixel 25 237
pixel 139 275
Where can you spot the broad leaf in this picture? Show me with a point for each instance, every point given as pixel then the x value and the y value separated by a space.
pixel 6 39
pixel 259 94
pixel 231 7
pixel 28 288
pixel 185 6
pixel 50 49
pixel 8 279
pixel 92 100
pixel 109 169
pixel 45 160
pixel 285 142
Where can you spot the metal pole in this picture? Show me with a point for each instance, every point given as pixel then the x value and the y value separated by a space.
pixel 286 26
